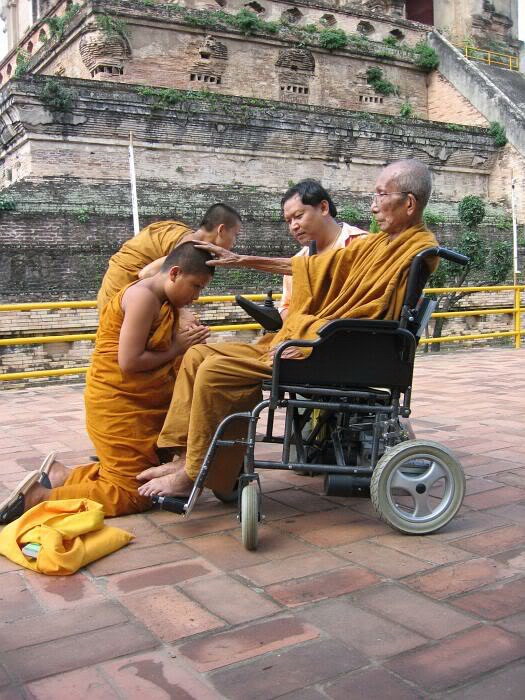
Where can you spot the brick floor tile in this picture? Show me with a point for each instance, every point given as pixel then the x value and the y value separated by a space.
pixel 383 560
pixel 164 575
pixel 69 653
pixel 328 585
pixel 497 497
pixel 259 638
pixel 468 523
pixel 286 671
pixel 12 693
pixel 513 478
pixel 16 598
pixel 415 611
pixel 146 532
pixel 6 565
pixel 361 629
pixel 495 541
pixel 459 578
pixel 478 484
pixel 169 614
pixel 277 545
pixel 206 526
pixel 345 532
pixel 508 684
pixel 371 683
pixel 4 678
pixel 84 684
pixel 423 547
pixel 490 466
pixel 454 661
pixel 234 602
pixel 224 551
pixel 514 513
pixel 309 522
pixel 292 567
pixel 156 676
pixel 304 694
pixel 514 623
pixel 496 601
pixel 58 592
pixel 132 557
pixel 46 628
pixel 276 510
pixel 302 500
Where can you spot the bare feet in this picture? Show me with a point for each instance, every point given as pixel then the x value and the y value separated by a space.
pixel 58 474
pixel 178 484
pixel 163 469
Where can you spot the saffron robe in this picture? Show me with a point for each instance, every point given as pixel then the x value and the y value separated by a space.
pixel 365 280
pixel 153 242
pixel 124 415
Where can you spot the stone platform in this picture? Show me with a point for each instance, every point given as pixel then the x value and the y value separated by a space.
pixel 334 604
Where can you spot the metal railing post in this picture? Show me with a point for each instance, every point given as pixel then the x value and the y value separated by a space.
pixel 517 316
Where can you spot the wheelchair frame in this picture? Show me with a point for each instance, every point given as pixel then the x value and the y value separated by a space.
pixel 366 452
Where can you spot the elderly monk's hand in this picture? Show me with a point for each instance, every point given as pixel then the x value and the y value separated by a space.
pixel 290 353
pixel 184 339
pixel 223 257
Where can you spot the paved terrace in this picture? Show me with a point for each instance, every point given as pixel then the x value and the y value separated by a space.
pixel 334 604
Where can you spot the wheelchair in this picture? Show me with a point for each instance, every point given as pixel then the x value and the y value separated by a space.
pixel 344 406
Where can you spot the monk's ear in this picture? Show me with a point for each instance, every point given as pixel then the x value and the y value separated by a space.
pixel 174 272
pixel 412 203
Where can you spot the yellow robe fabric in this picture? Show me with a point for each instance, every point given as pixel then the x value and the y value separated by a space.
pixel 366 280
pixel 153 242
pixel 124 415
pixel 71 534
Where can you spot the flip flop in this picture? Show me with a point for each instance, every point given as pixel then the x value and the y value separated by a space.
pixel 13 506
pixel 45 467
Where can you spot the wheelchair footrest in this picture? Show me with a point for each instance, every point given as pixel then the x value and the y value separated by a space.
pixel 346 485
pixel 174 505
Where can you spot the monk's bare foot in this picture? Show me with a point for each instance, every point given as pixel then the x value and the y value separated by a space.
pixel 178 484
pixel 58 474
pixel 36 494
pixel 163 469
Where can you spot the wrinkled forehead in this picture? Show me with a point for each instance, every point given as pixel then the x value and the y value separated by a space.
pixel 387 179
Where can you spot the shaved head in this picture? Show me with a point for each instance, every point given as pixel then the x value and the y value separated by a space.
pixel 410 175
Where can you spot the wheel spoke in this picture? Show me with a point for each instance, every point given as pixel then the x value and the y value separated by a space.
pixel 432 475
pixel 404 482
pixel 423 505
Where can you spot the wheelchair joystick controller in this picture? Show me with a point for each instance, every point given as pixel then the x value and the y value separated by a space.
pixel 266 314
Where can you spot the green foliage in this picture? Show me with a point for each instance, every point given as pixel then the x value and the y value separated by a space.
pixel 311 29
pixel 425 57
pixel 432 218
pixel 56 97
pixel 453 127
pixel 112 26
pixel 6 204
pixel 58 25
pixel 22 64
pixel 406 110
pixel 82 214
pixel 390 41
pixel 503 222
pixel 374 226
pixel 333 39
pixel 374 77
pixel 168 97
pixel 500 262
pixel 350 214
pixel 471 211
pixel 497 132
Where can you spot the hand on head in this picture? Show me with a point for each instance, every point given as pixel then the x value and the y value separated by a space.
pixel 223 257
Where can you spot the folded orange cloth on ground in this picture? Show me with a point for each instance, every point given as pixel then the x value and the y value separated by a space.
pixel 71 534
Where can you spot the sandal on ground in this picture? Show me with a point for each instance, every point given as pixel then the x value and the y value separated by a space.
pixel 44 470
pixel 14 505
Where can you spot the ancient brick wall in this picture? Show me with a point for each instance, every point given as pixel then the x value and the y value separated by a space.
pixel 446 104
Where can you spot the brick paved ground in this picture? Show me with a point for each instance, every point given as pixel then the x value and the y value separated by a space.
pixel 334 604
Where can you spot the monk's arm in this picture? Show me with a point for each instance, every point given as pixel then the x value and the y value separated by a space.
pixel 225 258
pixel 152 268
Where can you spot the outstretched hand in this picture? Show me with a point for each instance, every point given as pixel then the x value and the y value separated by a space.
pixel 223 257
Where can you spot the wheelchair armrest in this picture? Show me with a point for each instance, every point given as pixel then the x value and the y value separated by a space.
pixel 364 324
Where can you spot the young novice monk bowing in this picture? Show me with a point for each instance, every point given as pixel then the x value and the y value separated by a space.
pixel 130 384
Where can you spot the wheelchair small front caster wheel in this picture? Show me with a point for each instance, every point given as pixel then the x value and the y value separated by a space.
pixel 250 516
pixel 417 487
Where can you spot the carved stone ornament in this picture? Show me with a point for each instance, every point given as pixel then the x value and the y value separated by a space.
pixel 97 49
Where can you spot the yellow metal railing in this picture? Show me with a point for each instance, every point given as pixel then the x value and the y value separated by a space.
pixel 516 310
pixel 492 58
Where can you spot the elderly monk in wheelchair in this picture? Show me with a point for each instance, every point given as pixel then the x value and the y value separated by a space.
pixel 364 281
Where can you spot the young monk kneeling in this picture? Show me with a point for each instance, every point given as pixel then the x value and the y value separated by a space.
pixel 129 387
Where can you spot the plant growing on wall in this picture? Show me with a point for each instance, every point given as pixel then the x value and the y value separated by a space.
pixel 58 25
pixel 497 131
pixel 490 263
pixel 22 63
pixel 425 56
pixel 111 26
pixel 332 39
pixel 374 77
pixel 350 214
pixel 6 204
pixel 406 110
pixel 56 97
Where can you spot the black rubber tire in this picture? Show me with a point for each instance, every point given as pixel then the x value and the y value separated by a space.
pixel 399 470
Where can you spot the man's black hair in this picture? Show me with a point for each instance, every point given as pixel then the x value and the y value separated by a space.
pixel 191 260
pixel 218 214
pixel 310 192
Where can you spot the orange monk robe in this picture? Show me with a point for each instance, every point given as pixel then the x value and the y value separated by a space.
pixel 124 415
pixel 153 242
pixel 366 280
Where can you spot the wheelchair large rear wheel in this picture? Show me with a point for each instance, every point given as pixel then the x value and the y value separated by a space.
pixel 417 486
pixel 250 516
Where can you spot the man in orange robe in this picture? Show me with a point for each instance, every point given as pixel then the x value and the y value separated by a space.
pixel 130 385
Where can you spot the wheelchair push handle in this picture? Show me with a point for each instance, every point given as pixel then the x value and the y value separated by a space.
pixel 452 256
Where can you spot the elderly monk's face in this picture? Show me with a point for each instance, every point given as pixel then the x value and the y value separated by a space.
pixel 394 210
pixel 305 221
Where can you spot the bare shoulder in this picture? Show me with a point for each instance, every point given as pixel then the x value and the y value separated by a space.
pixel 140 298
